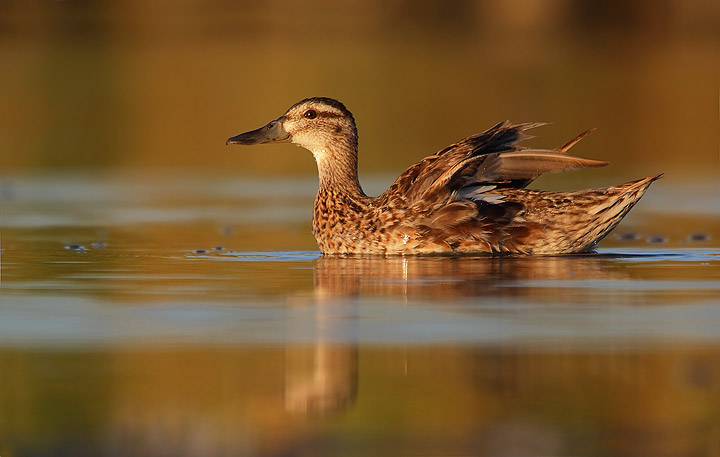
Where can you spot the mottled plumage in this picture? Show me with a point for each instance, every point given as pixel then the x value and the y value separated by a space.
pixel 468 198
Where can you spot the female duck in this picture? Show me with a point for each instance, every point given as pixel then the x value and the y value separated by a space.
pixel 468 198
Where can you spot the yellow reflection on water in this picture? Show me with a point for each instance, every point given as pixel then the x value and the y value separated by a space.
pixel 392 400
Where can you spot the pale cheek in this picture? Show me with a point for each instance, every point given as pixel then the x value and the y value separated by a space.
pixel 308 141
pixel 302 140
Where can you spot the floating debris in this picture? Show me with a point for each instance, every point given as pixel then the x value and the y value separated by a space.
pixel 655 239
pixel 699 236
pixel 75 247
pixel 219 248
pixel 200 251
pixel 628 236
pixel 98 245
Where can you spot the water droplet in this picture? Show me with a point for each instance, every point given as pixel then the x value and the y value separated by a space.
pixel 75 247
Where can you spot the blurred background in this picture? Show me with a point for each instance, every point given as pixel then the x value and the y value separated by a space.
pixel 130 85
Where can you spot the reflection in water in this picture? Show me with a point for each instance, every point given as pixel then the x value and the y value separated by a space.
pixel 322 377
pixel 448 278
pixel 451 400
pixel 331 396
pixel 328 381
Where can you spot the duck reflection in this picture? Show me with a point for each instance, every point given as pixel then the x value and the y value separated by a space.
pixel 445 279
pixel 322 377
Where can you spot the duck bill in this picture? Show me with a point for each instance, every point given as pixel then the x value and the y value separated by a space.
pixel 269 133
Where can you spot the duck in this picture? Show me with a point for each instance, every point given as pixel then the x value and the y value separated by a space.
pixel 468 198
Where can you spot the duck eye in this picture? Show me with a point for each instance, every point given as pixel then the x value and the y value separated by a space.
pixel 310 114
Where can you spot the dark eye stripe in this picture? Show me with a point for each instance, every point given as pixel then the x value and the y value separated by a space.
pixel 330 115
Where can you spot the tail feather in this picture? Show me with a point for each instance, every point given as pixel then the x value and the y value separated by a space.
pixel 565 147
pixel 607 216
pixel 640 183
pixel 565 223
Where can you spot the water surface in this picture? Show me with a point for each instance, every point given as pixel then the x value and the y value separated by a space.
pixel 194 316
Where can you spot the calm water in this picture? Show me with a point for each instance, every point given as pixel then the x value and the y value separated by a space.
pixel 192 316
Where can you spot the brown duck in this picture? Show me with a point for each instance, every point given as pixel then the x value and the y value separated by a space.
pixel 470 197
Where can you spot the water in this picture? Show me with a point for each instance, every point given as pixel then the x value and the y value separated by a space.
pixel 192 315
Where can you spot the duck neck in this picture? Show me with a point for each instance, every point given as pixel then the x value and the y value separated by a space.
pixel 337 170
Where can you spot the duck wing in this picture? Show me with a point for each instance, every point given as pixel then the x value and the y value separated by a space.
pixel 514 169
pixel 491 158
pixel 418 177
pixel 450 198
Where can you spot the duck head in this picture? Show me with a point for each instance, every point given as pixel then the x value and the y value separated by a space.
pixel 318 124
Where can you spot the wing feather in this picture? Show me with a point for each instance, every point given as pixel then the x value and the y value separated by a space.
pixel 529 164
pixel 419 177
pixel 456 195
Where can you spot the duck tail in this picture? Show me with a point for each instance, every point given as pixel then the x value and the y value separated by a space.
pixel 578 221
pixel 608 214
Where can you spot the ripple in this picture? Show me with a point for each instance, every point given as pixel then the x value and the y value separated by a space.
pixel 282 256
